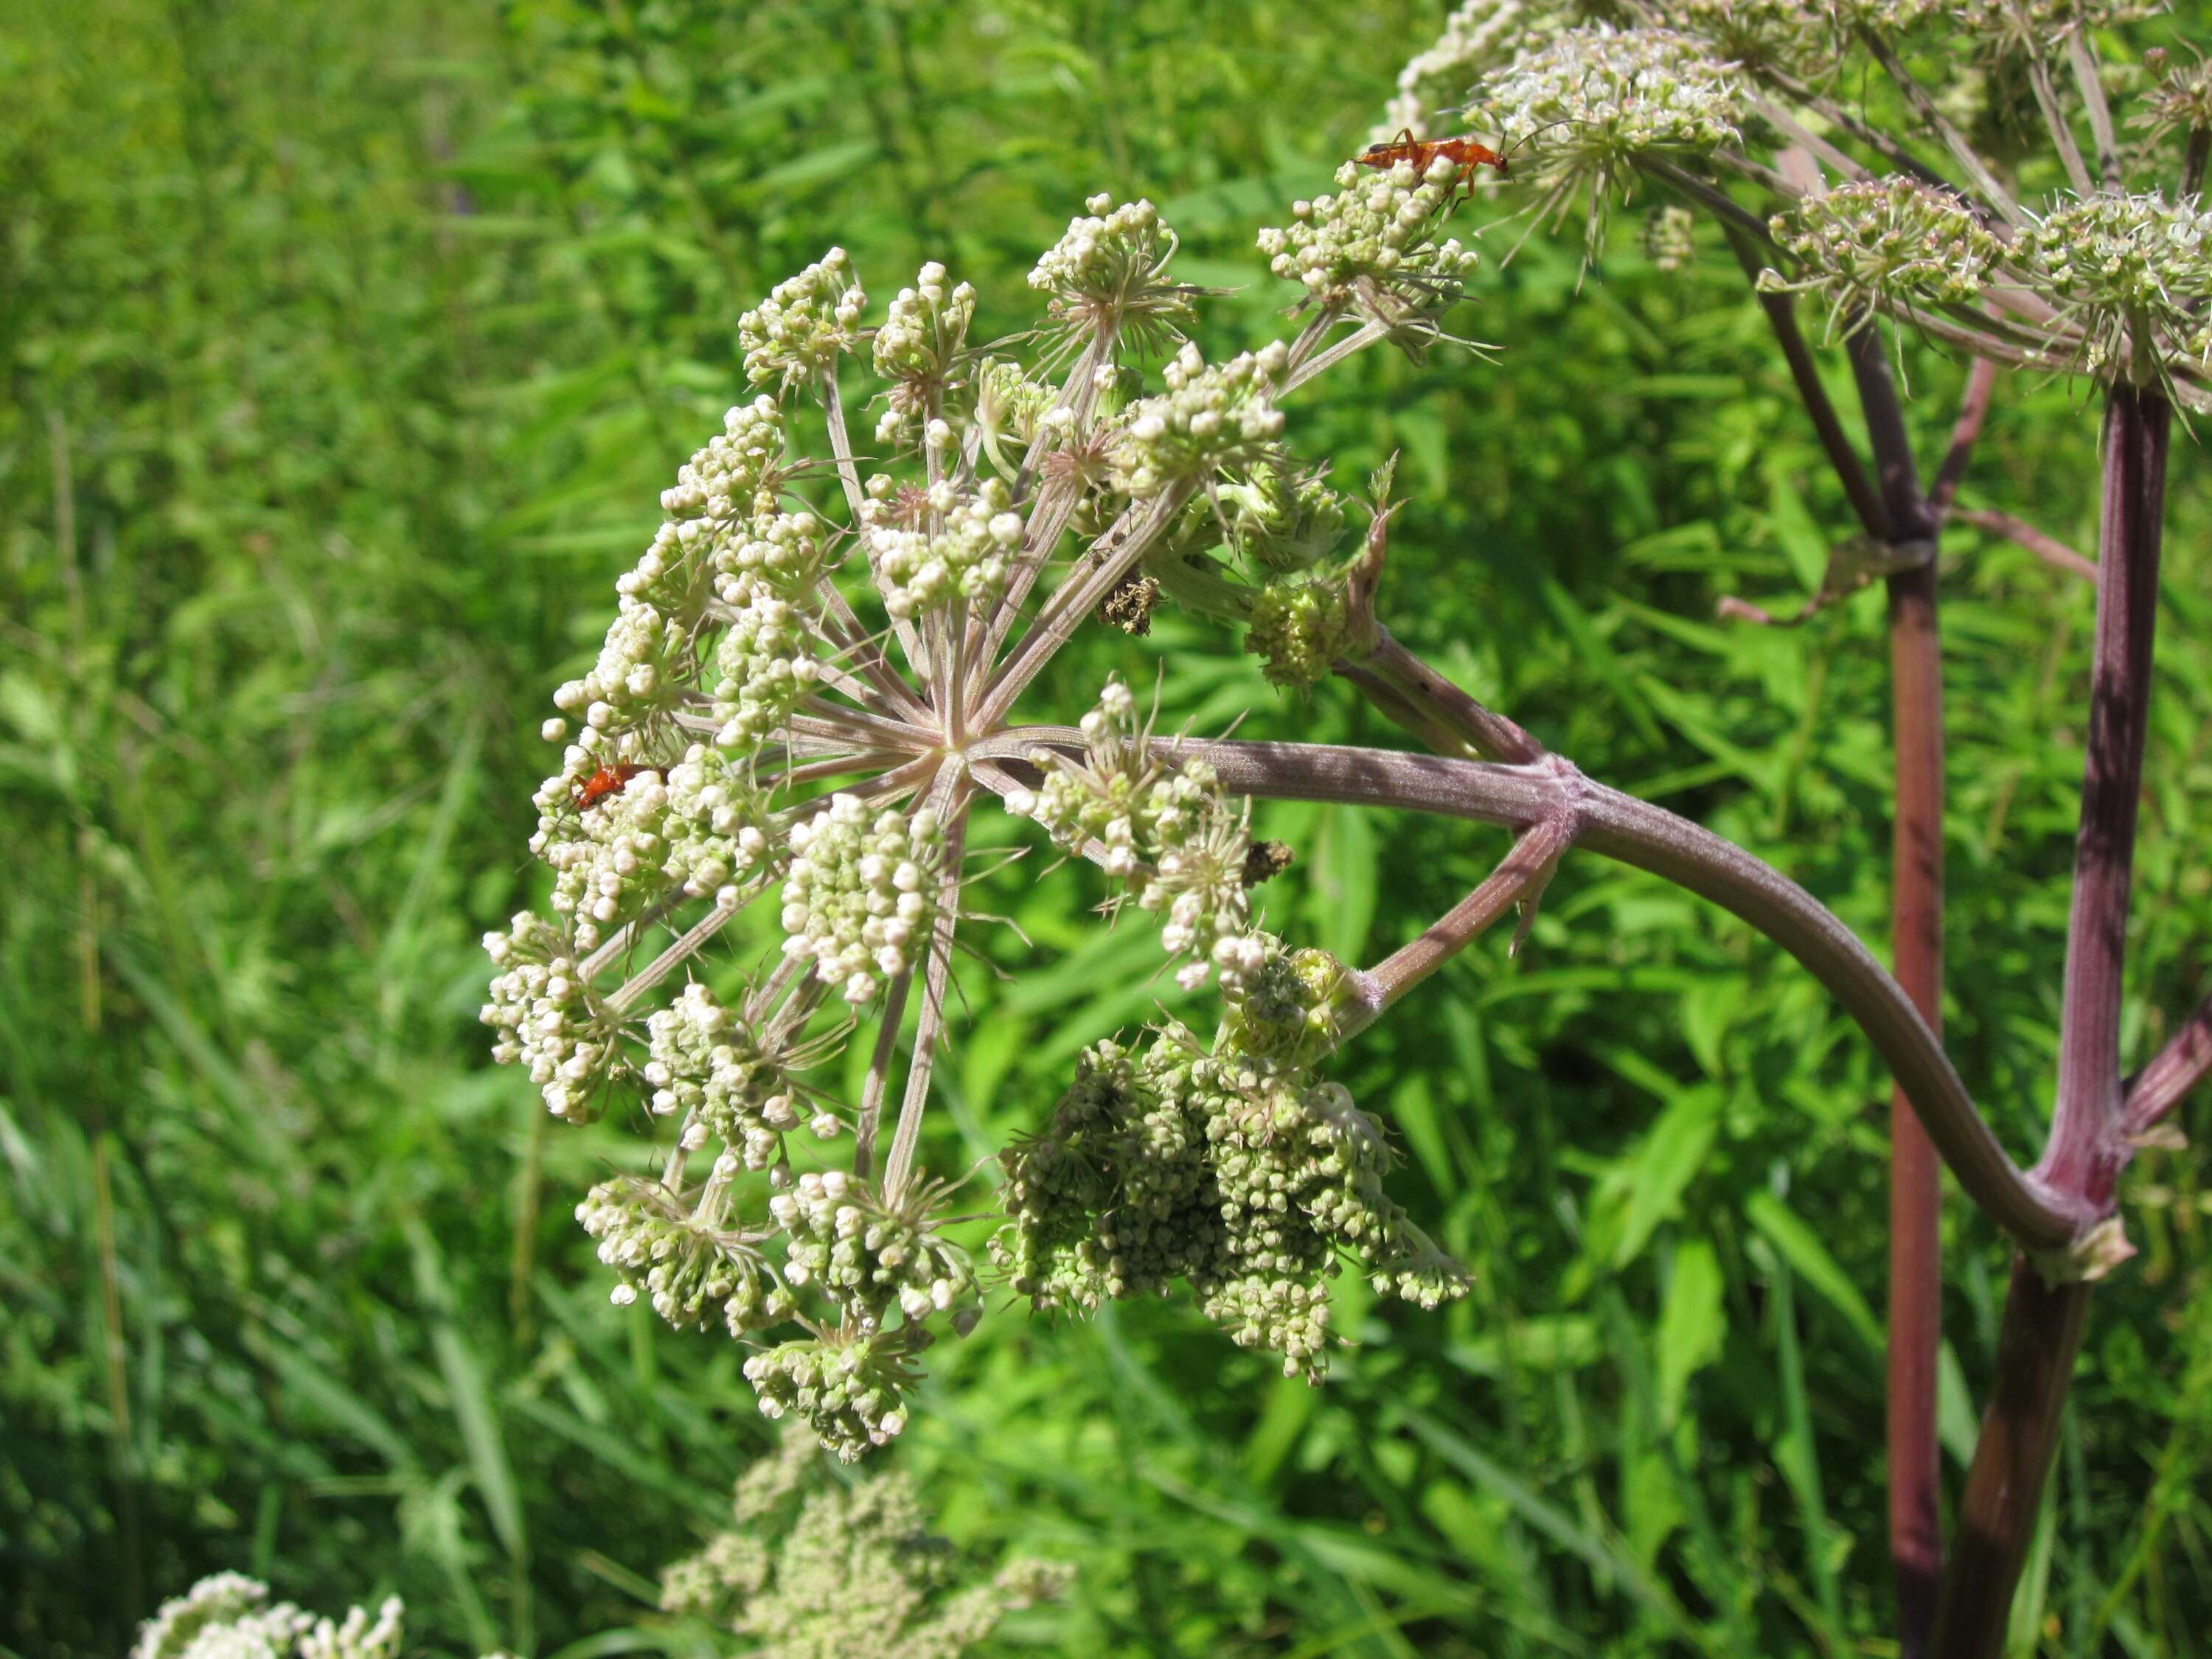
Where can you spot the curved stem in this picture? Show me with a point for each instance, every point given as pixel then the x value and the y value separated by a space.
pixel 1652 838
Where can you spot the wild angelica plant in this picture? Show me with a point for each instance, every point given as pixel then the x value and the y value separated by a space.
pixel 811 681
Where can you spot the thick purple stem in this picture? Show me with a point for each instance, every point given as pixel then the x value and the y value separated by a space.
pixel 1916 1173
pixel 2088 1144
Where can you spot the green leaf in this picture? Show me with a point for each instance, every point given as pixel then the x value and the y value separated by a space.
pixel 1798 1245
pixel 1662 1168
pixel 1692 1325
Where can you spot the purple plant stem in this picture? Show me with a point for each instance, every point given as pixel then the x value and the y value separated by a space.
pixel 1916 1172
pixel 2179 1068
pixel 2045 546
pixel 1781 311
pixel 2037 1341
pixel 1519 876
pixel 2088 1145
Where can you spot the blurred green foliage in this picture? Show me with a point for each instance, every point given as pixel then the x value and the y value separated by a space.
pixel 346 348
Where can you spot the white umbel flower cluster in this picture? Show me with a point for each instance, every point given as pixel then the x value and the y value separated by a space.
pixel 717 825
pixel 1164 827
pixel 1888 244
pixel 1211 418
pixel 610 860
pixel 795 335
pixel 1602 96
pixel 722 483
pixel 866 1256
pixel 1373 244
pixel 917 348
pixel 708 1070
pixel 548 1019
pixel 229 1616
pixel 861 893
pixel 2133 272
pixel 967 556
pixel 1108 270
pixel 765 664
pixel 635 687
pixel 690 1268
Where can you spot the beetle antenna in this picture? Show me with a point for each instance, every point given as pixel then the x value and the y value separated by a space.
pixel 1564 121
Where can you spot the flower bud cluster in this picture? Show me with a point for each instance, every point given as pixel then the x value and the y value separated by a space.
pixel 794 335
pixel 1292 1011
pixel 1243 1177
pixel 2132 271
pixel 850 1390
pixel 861 893
pixel 1109 272
pixel 764 664
pixel 1009 409
pixel 1892 244
pixel 717 825
pixel 1600 97
pixel 1211 418
pixel 1300 626
pixel 637 682
pixel 733 480
pixel 967 558
pixel 2181 103
pixel 1164 826
pixel 547 1018
pixel 825 1567
pixel 1478 35
pixel 1670 236
pixel 917 348
pixel 229 1616
pixel 710 1072
pixel 732 1567
pixel 1278 521
pixel 690 1271
pixel 1373 244
pixel 864 1254
pixel 610 862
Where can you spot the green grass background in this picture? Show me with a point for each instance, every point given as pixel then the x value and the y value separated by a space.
pixel 346 347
